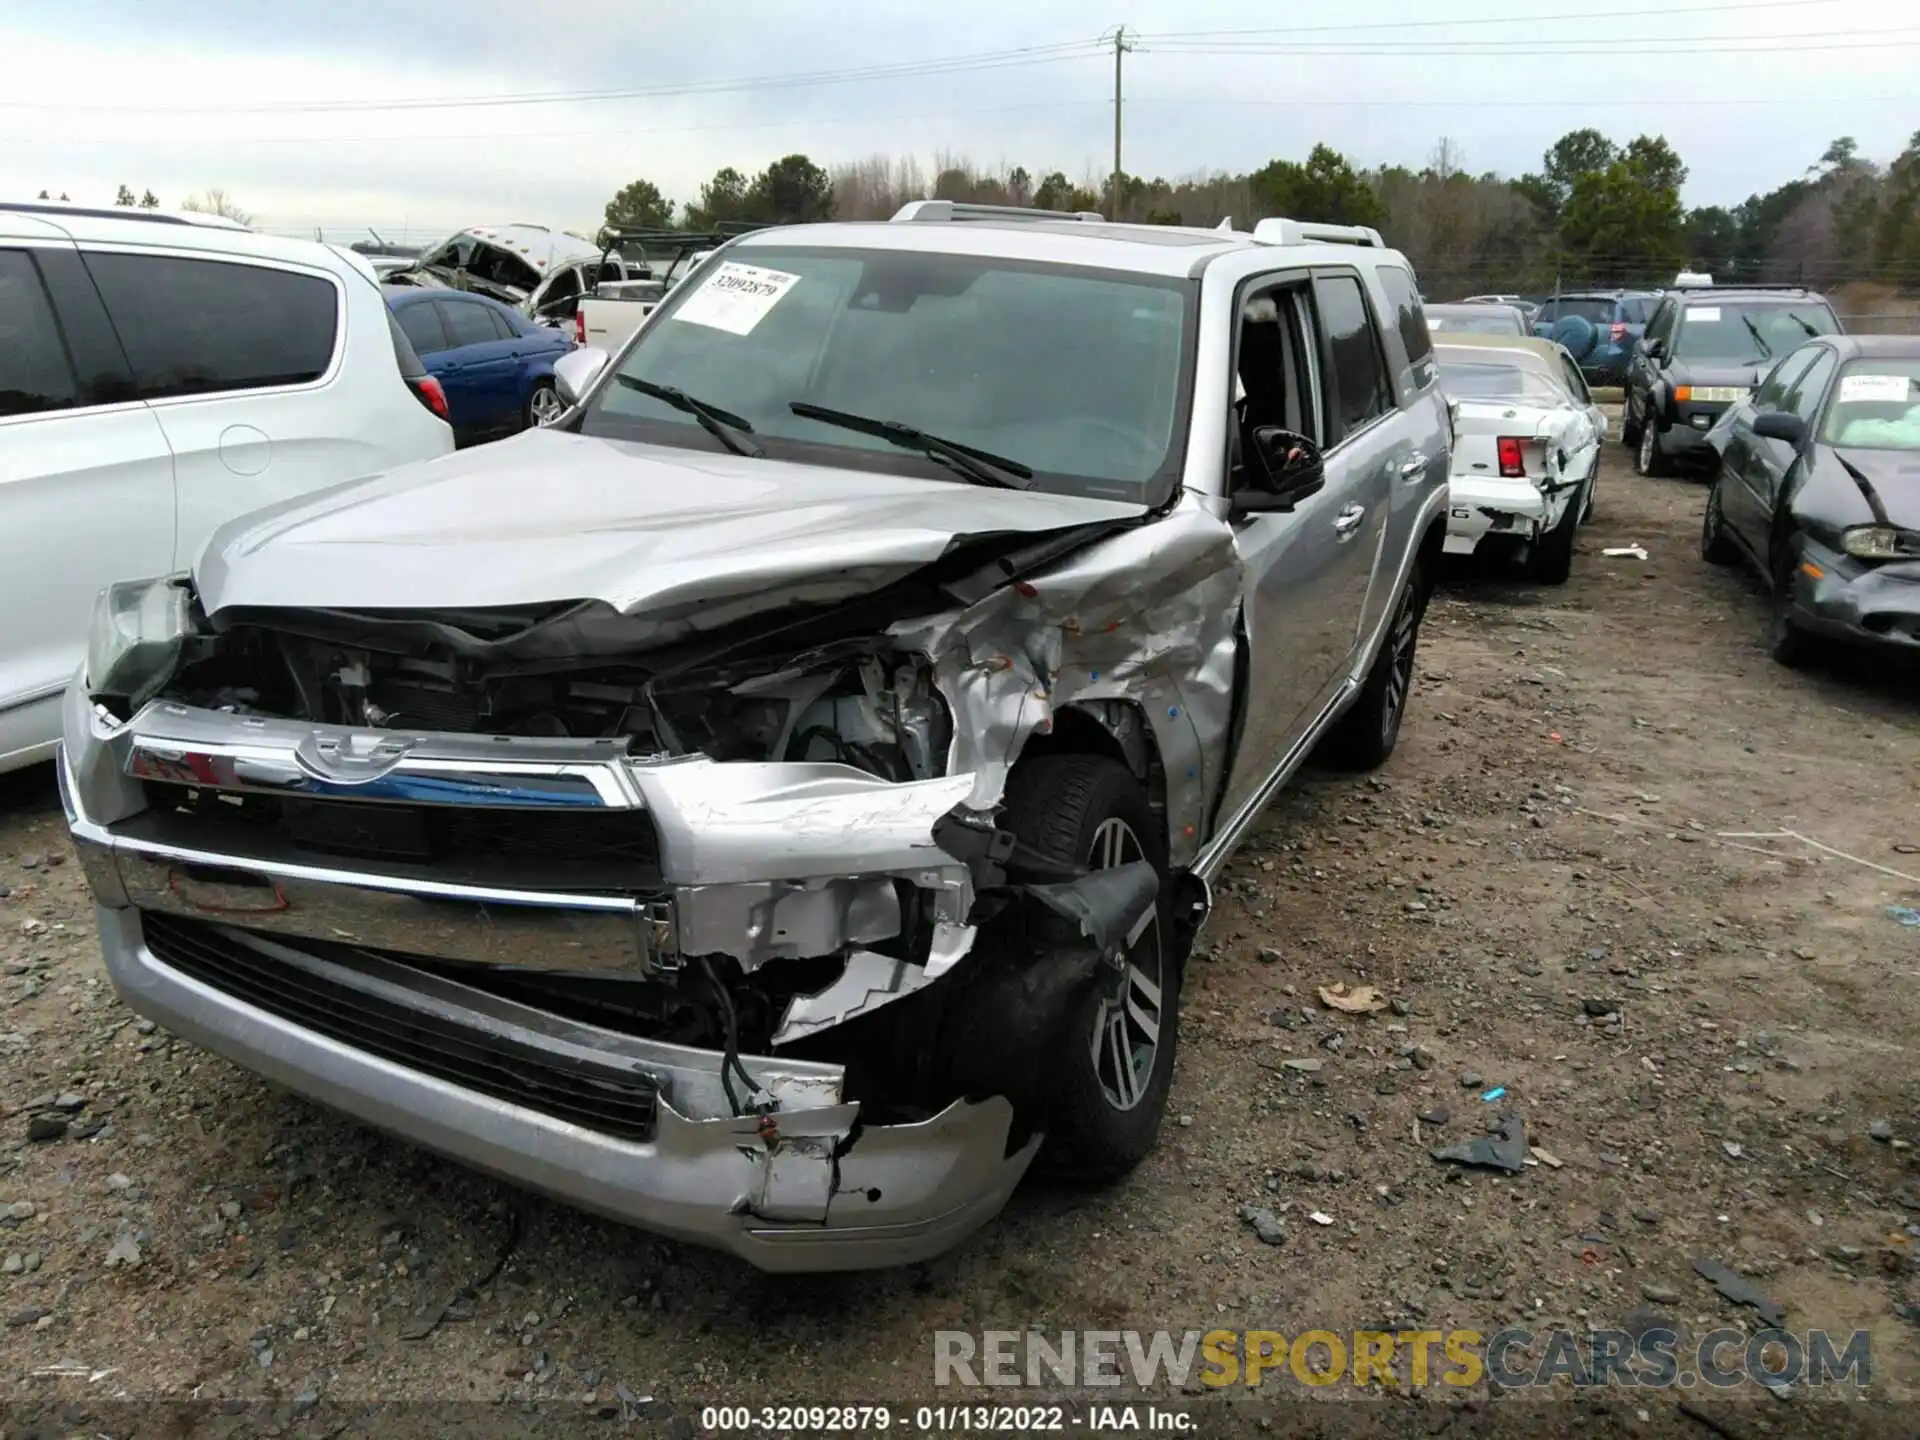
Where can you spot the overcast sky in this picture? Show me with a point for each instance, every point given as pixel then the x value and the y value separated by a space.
pixel 179 96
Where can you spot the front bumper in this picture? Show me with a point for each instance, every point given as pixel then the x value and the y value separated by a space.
pixel 809 1188
pixel 815 1198
pixel 1482 505
pixel 1682 434
pixel 1869 605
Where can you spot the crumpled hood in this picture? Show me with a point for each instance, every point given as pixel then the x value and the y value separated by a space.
pixel 1895 478
pixel 551 516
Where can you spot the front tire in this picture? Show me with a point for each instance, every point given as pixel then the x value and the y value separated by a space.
pixel 1647 459
pixel 1715 547
pixel 1786 642
pixel 1365 736
pixel 1111 1095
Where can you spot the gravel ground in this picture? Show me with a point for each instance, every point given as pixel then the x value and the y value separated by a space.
pixel 1554 882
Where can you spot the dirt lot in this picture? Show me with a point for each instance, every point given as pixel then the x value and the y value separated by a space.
pixel 1550 841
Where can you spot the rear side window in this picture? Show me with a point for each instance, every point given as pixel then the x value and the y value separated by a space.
pixel 1411 321
pixel 404 355
pixel 196 327
pixel 466 324
pixel 1360 387
pixel 421 324
pixel 36 372
pixel 502 327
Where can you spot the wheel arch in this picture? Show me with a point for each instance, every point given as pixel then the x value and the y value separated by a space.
pixel 1117 729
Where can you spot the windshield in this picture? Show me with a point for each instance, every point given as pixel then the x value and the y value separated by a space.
pixel 1748 332
pixel 1876 406
pixel 1491 379
pixel 1475 320
pixel 1079 375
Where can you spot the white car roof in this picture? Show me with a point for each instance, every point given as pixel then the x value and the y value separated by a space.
pixel 1168 250
pixel 167 230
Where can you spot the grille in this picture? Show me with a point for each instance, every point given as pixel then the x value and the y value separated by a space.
pixel 607 1097
pixel 576 848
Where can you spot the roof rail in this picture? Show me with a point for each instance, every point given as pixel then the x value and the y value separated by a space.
pixel 1276 231
pixel 947 211
pixel 120 212
pixel 1729 286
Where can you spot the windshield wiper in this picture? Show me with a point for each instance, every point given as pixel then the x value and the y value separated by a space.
pixel 725 426
pixel 1766 350
pixel 1803 325
pixel 982 466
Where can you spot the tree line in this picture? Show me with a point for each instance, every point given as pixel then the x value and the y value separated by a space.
pixel 1596 212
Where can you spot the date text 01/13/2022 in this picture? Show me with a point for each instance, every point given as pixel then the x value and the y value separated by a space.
pixel 973 1419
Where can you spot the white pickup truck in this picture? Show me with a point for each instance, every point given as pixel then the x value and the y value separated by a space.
pixel 613 310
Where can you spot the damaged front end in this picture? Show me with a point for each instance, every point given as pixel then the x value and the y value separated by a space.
pixel 710 928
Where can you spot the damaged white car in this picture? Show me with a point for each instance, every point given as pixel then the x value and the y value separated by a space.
pixel 773 805
pixel 1526 449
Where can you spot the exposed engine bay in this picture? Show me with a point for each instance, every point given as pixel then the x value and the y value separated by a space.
pixel 856 702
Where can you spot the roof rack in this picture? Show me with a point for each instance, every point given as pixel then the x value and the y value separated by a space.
pixel 947 211
pixel 118 212
pixel 1276 231
pixel 1731 286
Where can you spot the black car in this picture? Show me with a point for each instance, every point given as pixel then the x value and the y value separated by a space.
pixel 1818 488
pixel 1706 349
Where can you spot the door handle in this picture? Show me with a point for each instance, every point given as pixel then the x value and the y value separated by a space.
pixel 1414 466
pixel 1348 520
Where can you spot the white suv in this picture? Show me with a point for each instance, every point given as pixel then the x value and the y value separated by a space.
pixel 160 374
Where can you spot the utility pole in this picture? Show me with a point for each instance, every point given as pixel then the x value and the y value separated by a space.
pixel 1120 47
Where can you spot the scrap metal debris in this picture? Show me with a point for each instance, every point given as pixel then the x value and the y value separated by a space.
pixel 1626 552
pixel 458 1306
pixel 1733 1287
pixel 1506 1151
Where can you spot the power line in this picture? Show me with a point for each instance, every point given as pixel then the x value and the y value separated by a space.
pixel 600 132
pixel 1666 13
pixel 1572 102
pixel 1503 50
pixel 910 69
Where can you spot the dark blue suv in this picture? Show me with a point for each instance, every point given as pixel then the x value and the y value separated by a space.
pixel 1599 329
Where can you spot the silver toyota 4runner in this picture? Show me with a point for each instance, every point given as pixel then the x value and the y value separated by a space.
pixel 774 805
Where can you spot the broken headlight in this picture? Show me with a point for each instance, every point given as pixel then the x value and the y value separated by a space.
pixel 139 627
pixel 1881 542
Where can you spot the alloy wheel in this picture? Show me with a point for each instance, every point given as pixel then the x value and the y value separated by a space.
pixel 1125 1043
pixel 1643 458
pixel 547 406
pixel 1400 643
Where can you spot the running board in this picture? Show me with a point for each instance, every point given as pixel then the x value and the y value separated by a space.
pixel 1214 857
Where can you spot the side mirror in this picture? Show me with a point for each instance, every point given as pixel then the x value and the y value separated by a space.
pixel 576 370
pixel 1656 349
pixel 1780 425
pixel 1287 467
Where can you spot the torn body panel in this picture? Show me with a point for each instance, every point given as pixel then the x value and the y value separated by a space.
pixel 1146 617
pixel 1557 449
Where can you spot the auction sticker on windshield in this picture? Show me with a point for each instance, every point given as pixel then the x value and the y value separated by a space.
pixel 736 298
pixel 1857 388
pixel 1707 313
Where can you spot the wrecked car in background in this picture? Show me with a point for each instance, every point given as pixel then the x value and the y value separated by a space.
pixel 774 804
pixel 1818 489
pixel 1526 449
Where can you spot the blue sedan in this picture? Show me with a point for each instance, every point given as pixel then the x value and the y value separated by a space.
pixel 495 365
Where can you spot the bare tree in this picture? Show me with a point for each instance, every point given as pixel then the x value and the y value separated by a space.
pixel 217 202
